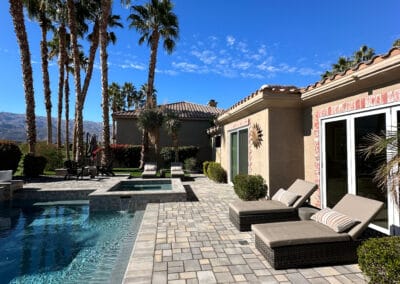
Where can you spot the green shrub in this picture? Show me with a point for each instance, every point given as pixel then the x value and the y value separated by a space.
pixel 190 164
pixel 379 259
pixel 126 155
pixel 249 187
pixel 205 167
pixel 34 165
pixel 216 172
pixel 53 156
pixel 184 152
pixel 10 154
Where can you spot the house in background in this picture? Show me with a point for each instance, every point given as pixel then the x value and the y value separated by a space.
pixel 315 133
pixel 195 118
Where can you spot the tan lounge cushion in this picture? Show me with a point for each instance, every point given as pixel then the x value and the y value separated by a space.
pixel 302 188
pixel 149 173
pixel 296 233
pixel 150 167
pixel 243 208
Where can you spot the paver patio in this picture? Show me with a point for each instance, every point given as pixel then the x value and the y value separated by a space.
pixel 195 242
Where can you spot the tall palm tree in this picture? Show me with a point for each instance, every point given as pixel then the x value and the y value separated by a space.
pixel 130 95
pixel 365 53
pixel 153 21
pixel 37 10
pixel 116 102
pixel 342 64
pixel 17 14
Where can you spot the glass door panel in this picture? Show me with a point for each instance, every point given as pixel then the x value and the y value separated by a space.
pixel 365 168
pixel 336 161
pixel 243 151
pixel 234 156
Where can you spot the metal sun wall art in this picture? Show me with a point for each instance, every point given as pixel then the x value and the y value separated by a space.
pixel 256 135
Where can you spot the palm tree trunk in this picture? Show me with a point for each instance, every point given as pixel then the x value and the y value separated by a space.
pixel 151 101
pixel 77 76
pixel 66 91
pixel 61 63
pixel 145 148
pixel 176 148
pixel 105 11
pixel 16 11
pixel 45 71
pixel 92 54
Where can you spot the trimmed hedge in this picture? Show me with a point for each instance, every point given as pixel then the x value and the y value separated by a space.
pixel 379 259
pixel 126 155
pixel 184 152
pixel 34 165
pixel 205 167
pixel 216 172
pixel 249 187
pixel 10 155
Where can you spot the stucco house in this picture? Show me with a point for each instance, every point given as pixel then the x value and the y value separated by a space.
pixel 315 133
pixel 195 118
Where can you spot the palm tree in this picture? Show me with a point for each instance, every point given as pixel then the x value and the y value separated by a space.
pixel 172 125
pixel 396 43
pixel 153 21
pixel 130 95
pixel 365 53
pixel 17 14
pixel 387 175
pixel 116 102
pixel 343 64
pixel 37 10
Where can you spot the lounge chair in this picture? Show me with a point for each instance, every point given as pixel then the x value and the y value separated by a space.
pixel 73 169
pixel 312 243
pixel 149 170
pixel 245 213
pixel 9 185
pixel 176 170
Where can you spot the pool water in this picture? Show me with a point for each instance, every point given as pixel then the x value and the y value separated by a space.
pixel 143 185
pixel 60 242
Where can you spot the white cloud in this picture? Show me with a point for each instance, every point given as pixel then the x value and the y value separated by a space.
pixel 242 65
pixel 130 65
pixel 230 40
pixel 205 56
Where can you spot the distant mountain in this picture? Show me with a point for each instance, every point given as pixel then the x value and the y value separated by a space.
pixel 12 127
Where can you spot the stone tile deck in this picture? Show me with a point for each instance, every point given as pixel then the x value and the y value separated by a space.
pixel 194 242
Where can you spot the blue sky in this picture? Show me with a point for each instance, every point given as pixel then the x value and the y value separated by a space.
pixel 226 50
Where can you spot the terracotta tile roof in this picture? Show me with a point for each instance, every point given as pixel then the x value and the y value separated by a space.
pixel 269 89
pixel 376 59
pixel 185 111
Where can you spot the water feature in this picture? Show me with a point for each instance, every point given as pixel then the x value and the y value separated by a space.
pixel 143 185
pixel 60 242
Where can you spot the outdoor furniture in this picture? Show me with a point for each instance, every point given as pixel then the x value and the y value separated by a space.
pixel 149 170
pixel 104 170
pixel 316 243
pixel 177 170
pixel 72 169
pixel 245 213
pixel 9 185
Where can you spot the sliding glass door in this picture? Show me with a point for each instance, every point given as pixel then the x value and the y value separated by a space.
pixel 344 169
pixel 239 153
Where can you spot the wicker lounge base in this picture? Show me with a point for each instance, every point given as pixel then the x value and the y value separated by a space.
pixel 243 223
pixel 307 255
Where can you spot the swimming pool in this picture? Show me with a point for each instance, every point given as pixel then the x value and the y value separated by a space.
pixel 60 242
pixel 143 185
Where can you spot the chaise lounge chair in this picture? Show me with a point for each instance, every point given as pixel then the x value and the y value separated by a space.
pixel 176 170
pixel 245 213
pixel 9 185
pixel 316 243
pixel 149 170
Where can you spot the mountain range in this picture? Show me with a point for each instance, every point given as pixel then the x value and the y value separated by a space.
pixel 12 127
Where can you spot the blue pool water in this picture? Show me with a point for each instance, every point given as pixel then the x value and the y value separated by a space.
pixel 60 242
pixel 142 185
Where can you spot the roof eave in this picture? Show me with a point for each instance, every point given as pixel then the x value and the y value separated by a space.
pixel 357 76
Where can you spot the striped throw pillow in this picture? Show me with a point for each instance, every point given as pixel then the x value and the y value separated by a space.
pixel 334 220
pixel 286 197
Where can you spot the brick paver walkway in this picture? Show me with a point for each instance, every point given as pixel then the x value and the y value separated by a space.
pixel 194 242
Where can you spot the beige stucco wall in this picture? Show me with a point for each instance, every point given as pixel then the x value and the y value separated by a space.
pixel 279 159
pixel 191 133
pixel 354 102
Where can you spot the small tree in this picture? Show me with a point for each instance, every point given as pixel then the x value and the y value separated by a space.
pixel 150 121
pixel 172 125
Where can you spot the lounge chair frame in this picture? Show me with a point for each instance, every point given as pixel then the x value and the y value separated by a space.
pixel 243 222
pixel 309 255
